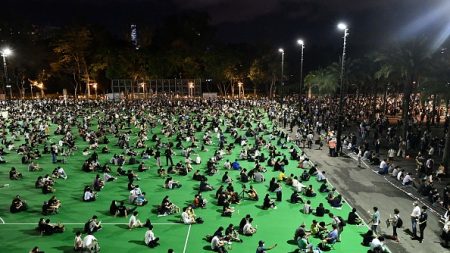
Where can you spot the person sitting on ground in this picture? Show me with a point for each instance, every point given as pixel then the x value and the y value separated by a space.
pixel 407 180
pixel 320 176
pixel 90 243
pixel 331 238
pixel 367 238
pixel 320 210
pixel 309 192
pixel 150 239
pixel 186 218
pixel 199 202
pixel 307 207
pixel 353 218
pixel 59 172
pixel 252 194
pixel 78 242
pixel 377 245
pixel 324 187
pixel 204 186
pixel 218 245
pixel 268 203
pixel 49 228
pixel 335 201
pixel 248 228
pixel 18 205
pixel 92 225
pixel 227 210
pixel 171 184
pixel 232 234
pixel 89 195
pixel 296 198
pixel 141 167
pixel 134 222
pixel 47 187
pixel 14 174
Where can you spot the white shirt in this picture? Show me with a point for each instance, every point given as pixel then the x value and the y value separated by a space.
pixel 87 241
pixel 215 241
pixel 416 212
pixel 406 179
pixel 132 221
pixel 149 236
pixel 383 164
pixel 186 218
pixel 375 243
pixel 247 228
pixel 88 195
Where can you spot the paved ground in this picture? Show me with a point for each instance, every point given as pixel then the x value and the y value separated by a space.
pixel 364 189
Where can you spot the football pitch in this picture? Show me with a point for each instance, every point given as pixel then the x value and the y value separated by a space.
pixel 18 231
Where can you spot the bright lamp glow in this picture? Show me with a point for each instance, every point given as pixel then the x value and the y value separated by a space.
pixel 300 42
pixel 6 52
pixel 342 26
pixel 280 50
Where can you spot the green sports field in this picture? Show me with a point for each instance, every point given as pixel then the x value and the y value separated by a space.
pixel 18 234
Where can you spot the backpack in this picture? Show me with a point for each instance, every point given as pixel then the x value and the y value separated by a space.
pixel 399 222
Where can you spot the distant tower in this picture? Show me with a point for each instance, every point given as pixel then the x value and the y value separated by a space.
pixel 134 37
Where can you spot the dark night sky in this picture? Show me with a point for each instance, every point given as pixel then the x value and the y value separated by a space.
pixel 272 22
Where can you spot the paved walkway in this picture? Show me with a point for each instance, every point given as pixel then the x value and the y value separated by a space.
pixel 363 189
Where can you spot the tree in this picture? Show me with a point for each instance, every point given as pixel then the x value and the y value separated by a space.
pixel 405 62
pixel 323 81
pixel 71 51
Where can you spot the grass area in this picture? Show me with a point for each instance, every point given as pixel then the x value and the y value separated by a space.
pixel 274 226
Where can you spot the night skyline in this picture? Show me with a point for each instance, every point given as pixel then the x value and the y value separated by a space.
pixel 268 21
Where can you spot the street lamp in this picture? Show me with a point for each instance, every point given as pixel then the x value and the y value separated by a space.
pixel 94 85
pixel 302 44
pixel 281 50
pixel 191 89
pixel 143 89
pixel 5 53
pixel 343 27
pixel 240 89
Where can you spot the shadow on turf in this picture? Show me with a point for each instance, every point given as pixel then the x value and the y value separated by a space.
pixel 138 242
pixel 208 248
pixel 65 249
pixel 291 242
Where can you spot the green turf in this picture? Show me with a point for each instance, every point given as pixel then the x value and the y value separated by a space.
pixel 274 226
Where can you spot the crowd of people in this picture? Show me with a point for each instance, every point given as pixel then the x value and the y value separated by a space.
pixel 224 125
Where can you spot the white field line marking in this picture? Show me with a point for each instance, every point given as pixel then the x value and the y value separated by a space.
pixel 187 238
pixel 3 222
pixel 78 223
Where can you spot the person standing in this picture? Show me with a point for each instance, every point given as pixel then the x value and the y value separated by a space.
pixel 414 217
pixel 375 220
pixel 360 155
pixel 396 223
pixel 422 222
pixel 168 153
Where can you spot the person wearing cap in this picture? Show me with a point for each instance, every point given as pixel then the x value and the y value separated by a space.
pixel 262 249
pixel 414 217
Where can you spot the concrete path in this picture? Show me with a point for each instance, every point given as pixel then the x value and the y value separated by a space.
pixel 364 189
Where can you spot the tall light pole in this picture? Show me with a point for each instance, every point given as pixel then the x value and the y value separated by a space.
pixel 281 50
pixel 5 53
pixel 302 44
pixel 343 27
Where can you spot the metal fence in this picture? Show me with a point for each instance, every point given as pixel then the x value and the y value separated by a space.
pixel 128 88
